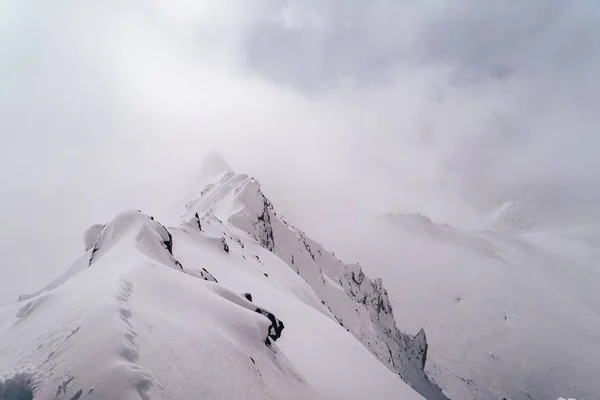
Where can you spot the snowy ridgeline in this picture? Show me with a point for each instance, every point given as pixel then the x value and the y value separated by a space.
pixel 356 302
pixel 232 303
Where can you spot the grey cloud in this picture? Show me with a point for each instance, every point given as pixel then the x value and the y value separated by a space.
pixel 342 109
pixel 522 72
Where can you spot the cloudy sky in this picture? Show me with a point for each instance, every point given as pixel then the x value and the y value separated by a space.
pixel 341 108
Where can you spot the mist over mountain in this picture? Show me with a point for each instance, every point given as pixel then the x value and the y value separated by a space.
pixel 175 312
pixel 471 128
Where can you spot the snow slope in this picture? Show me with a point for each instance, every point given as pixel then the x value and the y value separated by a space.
pixel 508 315
pixel 200 310
pixel 356 302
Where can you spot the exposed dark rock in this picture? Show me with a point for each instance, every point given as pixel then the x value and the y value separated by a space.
pixel 239 241
pixel 422 346
pixel 225 245
pixel 198 219
pixel 306 245
pixel 265 230
pixel 169 242
pixel 358 279
pixel 275 329
pixel 92 255
pixel 248 296
pixel 207 276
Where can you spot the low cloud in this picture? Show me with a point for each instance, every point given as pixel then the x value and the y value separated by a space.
pixel 343 110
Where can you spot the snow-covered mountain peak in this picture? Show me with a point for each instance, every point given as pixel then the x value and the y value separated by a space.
pixel 195 309
pixel 225 195
pixel 356 302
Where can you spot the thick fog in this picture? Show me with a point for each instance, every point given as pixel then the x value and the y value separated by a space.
pixel 343 110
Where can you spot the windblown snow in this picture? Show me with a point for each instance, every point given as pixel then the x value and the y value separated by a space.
pixel 232 303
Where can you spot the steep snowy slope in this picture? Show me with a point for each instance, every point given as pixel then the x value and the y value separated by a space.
pixel 356 302
pixel 201 310
pixel 513 316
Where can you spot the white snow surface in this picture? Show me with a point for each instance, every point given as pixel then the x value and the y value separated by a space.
pixel 356 302
pixel 508 315
pixel 193 311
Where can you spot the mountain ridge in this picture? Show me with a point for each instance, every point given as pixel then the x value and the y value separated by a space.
pixel 146 300
pixel 239 200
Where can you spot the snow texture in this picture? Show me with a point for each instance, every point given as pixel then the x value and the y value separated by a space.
pixel 507 314
pixel 207 309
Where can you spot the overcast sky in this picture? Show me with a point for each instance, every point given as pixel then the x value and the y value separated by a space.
pixel 341 108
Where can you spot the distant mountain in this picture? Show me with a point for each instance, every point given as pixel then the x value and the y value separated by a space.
pixel 508 314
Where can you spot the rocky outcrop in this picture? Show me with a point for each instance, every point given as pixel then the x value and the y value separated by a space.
pixel 263 225
pixel 275 328
pixel 358 303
